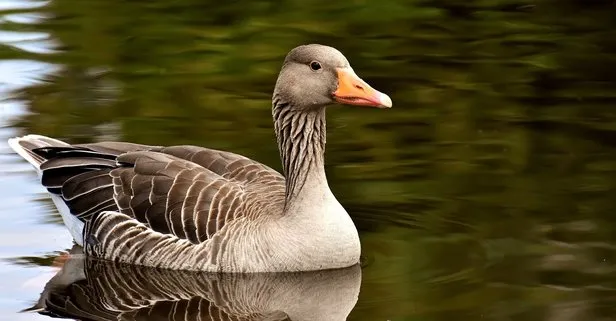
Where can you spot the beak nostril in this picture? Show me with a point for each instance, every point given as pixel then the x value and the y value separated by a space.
pixel 359 87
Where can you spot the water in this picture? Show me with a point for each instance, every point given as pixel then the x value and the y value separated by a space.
pixel 488 191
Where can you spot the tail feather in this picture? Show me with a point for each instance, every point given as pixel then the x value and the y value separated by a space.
pixel 57 162
pixel 76 176
pixel 25 146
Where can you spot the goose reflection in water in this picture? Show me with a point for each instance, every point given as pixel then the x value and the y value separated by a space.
pixel 89 289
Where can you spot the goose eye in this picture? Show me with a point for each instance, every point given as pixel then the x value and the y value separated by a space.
pixel 315 65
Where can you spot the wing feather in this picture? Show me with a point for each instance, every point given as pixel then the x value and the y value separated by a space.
pixel 198 201
pixel 86 183
pixel 187 192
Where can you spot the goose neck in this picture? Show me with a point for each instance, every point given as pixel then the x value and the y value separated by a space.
pixel 300 133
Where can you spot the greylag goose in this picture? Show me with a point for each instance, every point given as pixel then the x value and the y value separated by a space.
pixel 194 208
pixel 91 289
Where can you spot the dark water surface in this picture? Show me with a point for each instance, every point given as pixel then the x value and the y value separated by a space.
pixel 487 192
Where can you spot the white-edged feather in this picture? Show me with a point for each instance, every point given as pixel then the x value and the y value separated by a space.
pixel 15 146
pixel 74 225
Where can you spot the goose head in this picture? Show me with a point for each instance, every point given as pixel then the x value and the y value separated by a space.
pixel 315 76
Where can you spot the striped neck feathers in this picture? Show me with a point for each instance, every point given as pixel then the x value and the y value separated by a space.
pixel 301 141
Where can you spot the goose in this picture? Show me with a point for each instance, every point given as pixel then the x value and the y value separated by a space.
pixel 193 208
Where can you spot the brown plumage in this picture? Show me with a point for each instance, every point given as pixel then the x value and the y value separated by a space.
pixel 189 207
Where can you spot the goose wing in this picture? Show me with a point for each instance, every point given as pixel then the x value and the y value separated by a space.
pixel 186 191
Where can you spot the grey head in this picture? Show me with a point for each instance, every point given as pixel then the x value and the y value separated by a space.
pixel 314 76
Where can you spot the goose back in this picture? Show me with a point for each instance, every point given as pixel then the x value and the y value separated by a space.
pixel 187 191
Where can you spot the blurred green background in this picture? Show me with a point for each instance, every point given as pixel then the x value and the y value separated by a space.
pixel 488 190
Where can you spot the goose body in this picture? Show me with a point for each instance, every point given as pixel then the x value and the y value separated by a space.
pixel 194 208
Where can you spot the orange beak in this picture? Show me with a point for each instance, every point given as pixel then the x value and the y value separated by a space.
pixel 352 90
